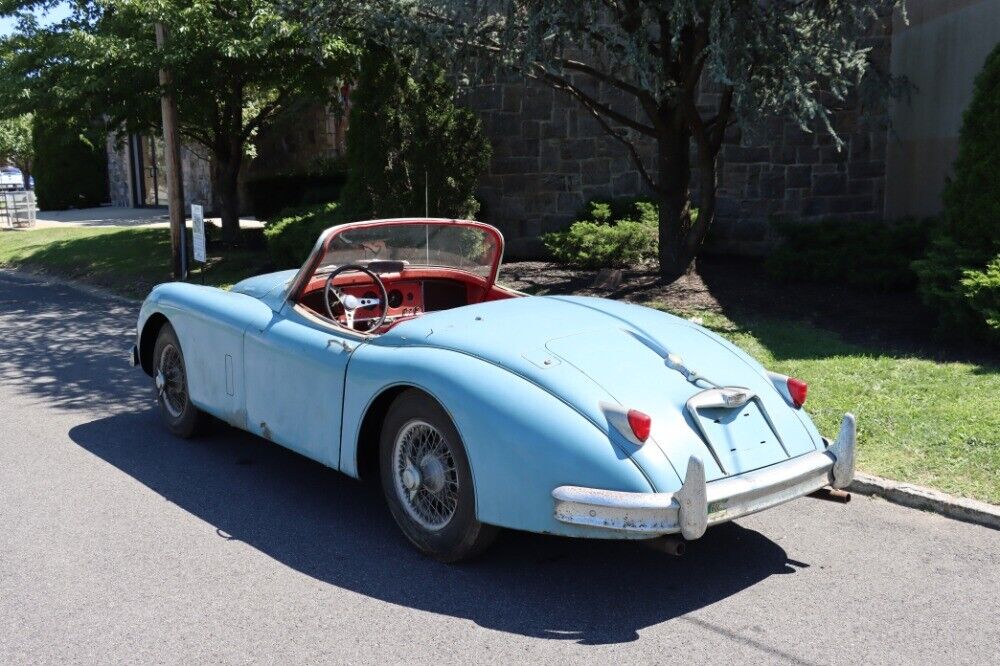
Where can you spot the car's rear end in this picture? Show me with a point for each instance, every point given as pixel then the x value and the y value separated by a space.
pixel 714 434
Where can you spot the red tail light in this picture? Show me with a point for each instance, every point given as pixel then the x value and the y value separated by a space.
pixel 640 424
pixel 797 389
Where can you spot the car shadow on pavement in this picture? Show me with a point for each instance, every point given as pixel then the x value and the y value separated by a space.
pixel 339 531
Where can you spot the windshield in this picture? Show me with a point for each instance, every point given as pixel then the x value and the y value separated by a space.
pixel 469 247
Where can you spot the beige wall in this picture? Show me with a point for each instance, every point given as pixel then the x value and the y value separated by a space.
pixel 940 50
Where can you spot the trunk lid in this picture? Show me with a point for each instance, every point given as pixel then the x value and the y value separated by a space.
pixel 594 352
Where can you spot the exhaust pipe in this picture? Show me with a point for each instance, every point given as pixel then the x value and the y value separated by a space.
pixel 832 495
pixel 669 544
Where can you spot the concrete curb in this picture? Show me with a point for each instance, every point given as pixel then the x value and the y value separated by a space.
pixel 24 274
pixel 927 499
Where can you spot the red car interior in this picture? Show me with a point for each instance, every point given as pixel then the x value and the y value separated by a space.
pixel 412 292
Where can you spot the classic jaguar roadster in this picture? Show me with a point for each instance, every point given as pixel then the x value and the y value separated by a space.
pixel 394 354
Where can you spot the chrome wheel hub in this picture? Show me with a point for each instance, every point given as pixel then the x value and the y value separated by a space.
pixel 425 475
pixel 411 477
pixel 171 385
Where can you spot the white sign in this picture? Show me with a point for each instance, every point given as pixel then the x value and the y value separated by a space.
pixel 198 229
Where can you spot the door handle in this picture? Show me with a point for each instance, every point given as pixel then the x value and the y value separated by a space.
pixel 343 344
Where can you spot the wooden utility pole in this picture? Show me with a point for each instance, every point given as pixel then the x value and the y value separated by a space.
pixel 172 150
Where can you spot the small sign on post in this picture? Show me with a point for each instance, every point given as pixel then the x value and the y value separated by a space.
pixel 198 232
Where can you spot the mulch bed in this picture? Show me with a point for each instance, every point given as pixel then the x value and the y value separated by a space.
pixel 740 288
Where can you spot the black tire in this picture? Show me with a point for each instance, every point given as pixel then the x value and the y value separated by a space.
pixel 461 536
pixel 180 415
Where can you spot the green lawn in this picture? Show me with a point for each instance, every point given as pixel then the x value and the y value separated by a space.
pixel 922 421
pixel 127 261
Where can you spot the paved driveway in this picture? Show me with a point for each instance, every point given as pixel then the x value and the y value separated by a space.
pixel 119 543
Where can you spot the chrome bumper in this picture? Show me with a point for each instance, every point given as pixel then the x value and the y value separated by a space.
pixel 698 504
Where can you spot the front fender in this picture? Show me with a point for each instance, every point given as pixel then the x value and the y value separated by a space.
pixel 209 323
pixel 522 442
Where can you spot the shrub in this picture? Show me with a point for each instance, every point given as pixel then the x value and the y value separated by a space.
pixel 612 234
pixel 404 130
pixel 873 255
pixel 955 276
pixel 271 195
pixel 71 165
pixel 291 236
pixel 981 290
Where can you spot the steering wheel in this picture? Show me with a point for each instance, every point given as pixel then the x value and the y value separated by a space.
pixel 352 303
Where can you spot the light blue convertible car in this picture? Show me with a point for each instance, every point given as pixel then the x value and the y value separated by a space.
pixel 394 354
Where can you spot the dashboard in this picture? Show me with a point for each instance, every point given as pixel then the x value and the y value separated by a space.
pixel 407 298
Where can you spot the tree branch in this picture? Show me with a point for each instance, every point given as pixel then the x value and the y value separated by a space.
pixel 632 151
pixel 561 83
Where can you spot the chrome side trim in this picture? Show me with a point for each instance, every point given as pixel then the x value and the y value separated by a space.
pixel 698 505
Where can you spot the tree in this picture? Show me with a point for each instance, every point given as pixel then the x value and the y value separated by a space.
pixel 960 277
pixel 71 163
pixel 407 139
pixel 236 65
pixel 16 145
pixel 795 57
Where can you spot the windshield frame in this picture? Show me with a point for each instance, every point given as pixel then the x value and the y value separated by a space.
pixel 313 263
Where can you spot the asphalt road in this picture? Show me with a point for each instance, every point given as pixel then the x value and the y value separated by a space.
pixel 120 543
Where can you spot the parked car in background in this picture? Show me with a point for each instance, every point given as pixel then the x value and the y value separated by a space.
pixel 11 178
pixel 394 354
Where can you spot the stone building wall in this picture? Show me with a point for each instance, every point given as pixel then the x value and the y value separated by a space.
pixel 550 157
pixel 119 180
pixel 195 169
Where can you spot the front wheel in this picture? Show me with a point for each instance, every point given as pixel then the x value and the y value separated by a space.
pixel 427 481
pixel 179 414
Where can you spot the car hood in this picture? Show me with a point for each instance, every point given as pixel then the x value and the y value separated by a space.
pixel 269 287
pixel 602 356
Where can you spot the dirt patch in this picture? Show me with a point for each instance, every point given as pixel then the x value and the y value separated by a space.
pixel 896 322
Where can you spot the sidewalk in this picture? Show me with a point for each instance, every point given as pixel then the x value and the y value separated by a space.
pixel 112 216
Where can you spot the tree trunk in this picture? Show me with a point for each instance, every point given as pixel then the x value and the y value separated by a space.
pixel 25 167
pixel 226 186
pixel 674 164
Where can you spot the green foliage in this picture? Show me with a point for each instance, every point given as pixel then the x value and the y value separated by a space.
pixel 404 130
pixel 871 255
pixel 236 67
pixel 981 290
pixel 71 165
pixel 291 236
pixel 610 234
pixel 955 276
pixel 271 195
pixel 16 144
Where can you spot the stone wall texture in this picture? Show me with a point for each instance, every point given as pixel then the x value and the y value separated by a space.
pixel 550 157
pixel 195 168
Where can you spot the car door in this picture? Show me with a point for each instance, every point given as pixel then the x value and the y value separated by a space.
pixel 295 369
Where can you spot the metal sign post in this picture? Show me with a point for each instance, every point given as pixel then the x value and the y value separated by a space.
pixel 198 237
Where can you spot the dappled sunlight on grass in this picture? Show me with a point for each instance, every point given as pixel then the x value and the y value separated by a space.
pixel 919 420
pixel 129 261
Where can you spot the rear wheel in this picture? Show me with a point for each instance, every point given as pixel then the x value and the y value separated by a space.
pixel 179 414
pixel 427 481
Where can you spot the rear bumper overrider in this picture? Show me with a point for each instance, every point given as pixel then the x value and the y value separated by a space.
pixel 698 504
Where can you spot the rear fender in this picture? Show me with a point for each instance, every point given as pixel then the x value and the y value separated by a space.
pixel 521 441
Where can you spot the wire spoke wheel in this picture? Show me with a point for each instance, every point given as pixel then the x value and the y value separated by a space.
pixel 171 384
pixel 425 475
